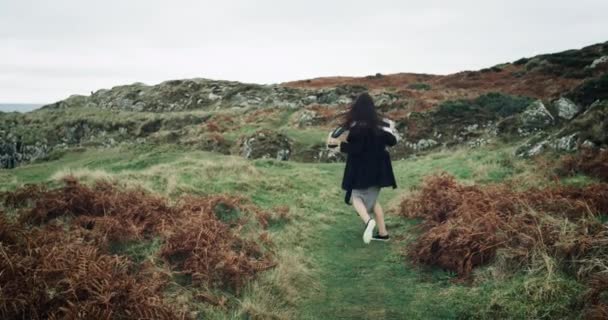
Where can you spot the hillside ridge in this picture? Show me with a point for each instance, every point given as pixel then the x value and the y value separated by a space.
pixel 531 98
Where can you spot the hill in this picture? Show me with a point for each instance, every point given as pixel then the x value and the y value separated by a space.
pixel 432 111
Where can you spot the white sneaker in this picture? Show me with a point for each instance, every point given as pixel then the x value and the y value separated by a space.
pixel 369 229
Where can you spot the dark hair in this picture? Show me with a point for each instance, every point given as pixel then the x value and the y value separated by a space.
pixel 363 112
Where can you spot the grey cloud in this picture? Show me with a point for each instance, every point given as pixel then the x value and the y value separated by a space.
pixel 51 49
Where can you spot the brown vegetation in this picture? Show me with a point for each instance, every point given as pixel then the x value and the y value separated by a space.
pixel 591 162
pixel 205 247
pixel 598 305
pixel 48 273
pixel 465 226
pixel 58 262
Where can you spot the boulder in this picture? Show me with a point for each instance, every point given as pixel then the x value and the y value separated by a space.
pixel 566 109
pixel 266 144
pixel 536 117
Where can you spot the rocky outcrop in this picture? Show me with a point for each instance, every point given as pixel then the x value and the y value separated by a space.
pixel 542 142
pixel 467 109
pixel 589 130
pixel 204 94
pixel 14 152
pixel 266 144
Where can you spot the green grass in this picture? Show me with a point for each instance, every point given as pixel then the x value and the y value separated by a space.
pixel 324 270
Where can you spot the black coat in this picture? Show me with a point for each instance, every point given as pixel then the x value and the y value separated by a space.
pixel 368 163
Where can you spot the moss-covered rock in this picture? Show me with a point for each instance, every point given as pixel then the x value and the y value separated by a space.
pixel 536 117
pixel 266 144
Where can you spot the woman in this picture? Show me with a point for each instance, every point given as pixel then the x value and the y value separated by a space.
pixel 368 164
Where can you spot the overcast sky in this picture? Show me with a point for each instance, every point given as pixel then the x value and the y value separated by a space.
pixel 51 49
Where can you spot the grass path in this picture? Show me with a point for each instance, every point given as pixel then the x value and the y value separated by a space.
pixel 376 281
pixel 372 281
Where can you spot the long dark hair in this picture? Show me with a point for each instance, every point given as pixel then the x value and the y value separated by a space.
pixel 363 112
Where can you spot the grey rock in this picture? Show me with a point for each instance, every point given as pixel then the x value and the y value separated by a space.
pixel 531 149
pixel 422 144
pixel 588 144
pixel 476 143
pixel 283 154
pixel 537 149
pixel 566 143
pixel 311 99
pixel 566 109
pixel 471 128
pixel 536 117
pixel 598 61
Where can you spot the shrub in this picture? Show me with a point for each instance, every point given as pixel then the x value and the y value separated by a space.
pixel 490 106
pixel 59 258
pixel 206 248
pixel 492 69
pixel 464 226
pixel 503 105
pixel 420 86
pixel 590 91
pixel 576 59
pixel 52 274
pixel 595 298
pixel 591 162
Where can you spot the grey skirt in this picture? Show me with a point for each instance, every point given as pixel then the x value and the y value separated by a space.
pixel 368 196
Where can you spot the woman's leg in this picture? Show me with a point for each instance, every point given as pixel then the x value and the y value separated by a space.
pixel 361 209
pixel 380 219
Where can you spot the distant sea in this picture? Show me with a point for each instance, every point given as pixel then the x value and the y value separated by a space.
pixel 19 107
